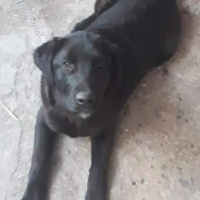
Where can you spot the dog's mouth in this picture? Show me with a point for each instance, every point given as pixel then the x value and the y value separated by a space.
pixel 84 114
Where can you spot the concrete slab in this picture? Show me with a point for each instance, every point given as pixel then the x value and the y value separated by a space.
pixel 157 154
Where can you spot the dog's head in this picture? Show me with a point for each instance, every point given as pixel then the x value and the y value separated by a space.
pixel 78 71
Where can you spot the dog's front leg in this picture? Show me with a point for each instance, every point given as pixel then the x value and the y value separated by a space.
pixel 44 143
pixel 101 151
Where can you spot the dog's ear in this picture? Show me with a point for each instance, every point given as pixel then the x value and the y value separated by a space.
pixel 115 80
pixel 43 55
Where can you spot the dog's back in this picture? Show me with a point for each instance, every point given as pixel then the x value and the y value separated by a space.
pixel 148 25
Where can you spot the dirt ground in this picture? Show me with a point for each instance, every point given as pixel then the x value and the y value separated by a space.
pixel 157 153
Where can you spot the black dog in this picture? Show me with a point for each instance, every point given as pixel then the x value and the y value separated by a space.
pixel 88 76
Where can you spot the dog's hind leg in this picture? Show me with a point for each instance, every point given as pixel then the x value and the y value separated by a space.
pixel 100 7
pixel 103 5
pixel 84 23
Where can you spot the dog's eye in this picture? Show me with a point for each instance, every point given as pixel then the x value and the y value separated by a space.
pixel 68 65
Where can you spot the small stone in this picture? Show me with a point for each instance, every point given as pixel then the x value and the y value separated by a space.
pixel 133 183
pixel 140 125
pixel 180 168
pixel 164 176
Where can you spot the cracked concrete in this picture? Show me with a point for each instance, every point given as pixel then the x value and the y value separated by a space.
pixel 157 154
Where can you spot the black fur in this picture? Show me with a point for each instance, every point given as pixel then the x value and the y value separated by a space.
pixel 88 76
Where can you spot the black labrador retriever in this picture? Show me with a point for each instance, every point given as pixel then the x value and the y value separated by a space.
pixel 88 76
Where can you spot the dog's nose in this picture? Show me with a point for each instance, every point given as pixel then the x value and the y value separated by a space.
pixel 85 98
